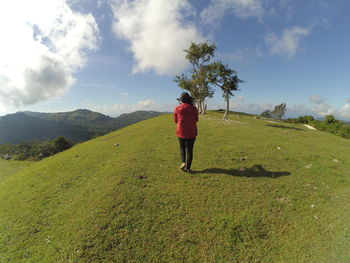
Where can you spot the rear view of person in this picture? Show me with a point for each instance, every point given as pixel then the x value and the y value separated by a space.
pixel 186 117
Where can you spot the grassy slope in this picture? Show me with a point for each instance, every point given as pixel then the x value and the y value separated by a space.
pixel 8 168
pixel 90 203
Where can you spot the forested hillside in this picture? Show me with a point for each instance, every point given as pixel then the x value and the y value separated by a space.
pixel 78 125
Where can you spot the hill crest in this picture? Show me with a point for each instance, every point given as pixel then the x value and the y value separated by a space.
pixel 253 197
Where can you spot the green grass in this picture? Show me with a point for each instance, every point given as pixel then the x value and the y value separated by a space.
pixel 261 192
pixel 8 168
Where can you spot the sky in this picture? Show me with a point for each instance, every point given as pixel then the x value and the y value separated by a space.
pixel 118 56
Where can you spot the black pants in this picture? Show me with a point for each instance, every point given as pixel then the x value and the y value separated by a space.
pixel 186 147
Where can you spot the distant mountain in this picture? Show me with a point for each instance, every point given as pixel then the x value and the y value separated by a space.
pixel 79 125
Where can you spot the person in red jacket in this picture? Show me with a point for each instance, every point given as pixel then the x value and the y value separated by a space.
pixel 186 118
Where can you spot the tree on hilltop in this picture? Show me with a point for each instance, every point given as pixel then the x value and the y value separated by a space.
pixel 278 112
pixel 266 114
pixel 226 79
pixel 198 85
pixel 205 76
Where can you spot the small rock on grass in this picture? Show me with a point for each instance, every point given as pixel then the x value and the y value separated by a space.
pixel 243 158
pixel 242 169
pixel 335 160
pixel 141 177
pixel 282 199
pixel 308 166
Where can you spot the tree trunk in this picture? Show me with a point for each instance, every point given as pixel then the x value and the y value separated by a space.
pixel 203 107
pixel 199 106
pixel 227 108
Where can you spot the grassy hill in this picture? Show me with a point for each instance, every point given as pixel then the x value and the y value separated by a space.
pixel 7 168
pixel 79 125
pixel 261 192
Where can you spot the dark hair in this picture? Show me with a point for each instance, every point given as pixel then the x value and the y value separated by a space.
pixel 186 98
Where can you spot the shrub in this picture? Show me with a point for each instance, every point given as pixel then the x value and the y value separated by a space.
pixel 266 114
pixel 36 150
pixel 305 119
pixel 330 119
pixel 61 144
pixel 277 113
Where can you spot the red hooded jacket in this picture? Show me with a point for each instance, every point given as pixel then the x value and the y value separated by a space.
pixel 186 117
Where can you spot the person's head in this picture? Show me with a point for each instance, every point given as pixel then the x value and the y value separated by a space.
pixel 186 98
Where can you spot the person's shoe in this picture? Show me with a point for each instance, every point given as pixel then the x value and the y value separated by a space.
pixel 183 167
pixel 188 170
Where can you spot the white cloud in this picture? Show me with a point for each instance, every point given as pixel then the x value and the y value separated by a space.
pixel 117 109
pixel 43 43
pixel 145 104
pixel 321 108
pixel 99 3
pixel 124 95
pixel 344 112
pixel 241 8
pixel 318 99
pixel 239 104
pixel 242 57
pixel 284 3
pixel 156 31
pixel 288 43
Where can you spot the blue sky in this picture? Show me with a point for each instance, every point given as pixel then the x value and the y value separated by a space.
pixel 116 56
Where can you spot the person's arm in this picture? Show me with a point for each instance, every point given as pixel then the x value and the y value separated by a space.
pixel 175 116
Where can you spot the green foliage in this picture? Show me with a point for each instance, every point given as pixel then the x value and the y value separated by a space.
pixel 36 150
pixel 278 112
pixel 329 124
pixel 187 84
pixel 249 201
pixel 226 79
pixel 332 125
pixel 6 148
pixel 266 114
pixel 301 119
pixel 61 144
pixel 199 56
pixel 305 119
pixel 205 76
pixel 47 149
pixel 330 119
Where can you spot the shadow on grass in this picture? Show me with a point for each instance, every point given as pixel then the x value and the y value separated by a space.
pixel 283 127
pixel 254 171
